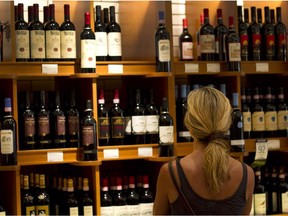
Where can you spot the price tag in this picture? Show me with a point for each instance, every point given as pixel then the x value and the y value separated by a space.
pixel 145 151
pixel 49 68
pixel 262 67
pixel 111 153
pixel 261 150
pixel 192 68
pixel 213 67
pixel 55 156
pixel 115 69
pixel 273 144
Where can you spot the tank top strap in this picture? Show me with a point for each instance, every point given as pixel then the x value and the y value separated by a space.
pixel 184 184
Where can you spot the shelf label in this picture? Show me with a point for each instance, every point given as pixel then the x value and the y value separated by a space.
pixel 262 67
pixel 273 144
pixel 111 153
pixel 55 156
pixel 213 67
pixel 145 151
pixel 49 68
pixel 192 68
pixel 115 69
pixel 261 150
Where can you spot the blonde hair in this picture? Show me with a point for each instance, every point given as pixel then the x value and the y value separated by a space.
pixel 208 119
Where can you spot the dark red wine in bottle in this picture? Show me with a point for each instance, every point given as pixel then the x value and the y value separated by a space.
pixel 259 194
pixel 59 121
pixel 27 198
pixel 282 194
pixel 259 17
pixel 198 37
pixel 30 16
pixel 132 198
pixel 42 199
pixel 280 37
pixel 88 58
pixel 258 116
pixel 67 37
pixel 254 37
pixel 73 125
pixel 220 33
pixel 243 35
pixel 246 112
pixel 101 36
pixel 146 198
pixel 282 114
pixel 46 15
pixel 119 200
pixel 22 42
pixel 106 16
pixel 71 203
pixel 86 203
pixel 103 121
pixel 270 115
pixel 185 43
pixel 272 15
pixel 106 199
pixel 246 16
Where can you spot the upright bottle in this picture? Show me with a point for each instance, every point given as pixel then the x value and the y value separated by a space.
pixel 259 17
pixel 22 43
pixel 270 116
pixel 246 16
pixel 101 36
pixel 73 125
pixel 27 199
pixel 207 39
pixel 106 199
pixel 120 207
pixel 220 34
pixel 88 43
pixel 8 136
pixel 162 46
pixel 273 193
pixel 106 16
pixel 259 195
pixel 127 119
pixel 71 203
pixel 282 114
pixel 166 132
pixel 88 134
pixel 198 37
pixel 146 198
pixel 30 16
pixel 37 37
pixel 132 199
pixel 46 15
pixel 86 203
pixel 283 193
pixel 243 35
pixel 103 121
pixel 254 36
pixel 67 37
pixel 185 43
pixel 280 37
pixel 42 199
pixel 59 120
pixel 258 116
pixel 114 37
pixel 246 112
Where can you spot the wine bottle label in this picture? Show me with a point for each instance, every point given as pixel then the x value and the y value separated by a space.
pixel 7 146
pixel 73 124
pixel 53 44
pixel 138 124
pixel 114 44
pixel 37 40
pixel 22 44
pixel 117 127
pixel 247 121
pixel 133 210
pixel 187 50
pixel 3 213
pixel 101 44
pixel 234 52
pixel 88 210
pixel 152 124
pixel 281 41
pixel 43 126
pixel 166 134
pixel 128 129
pixel 68 44
pixel 164 50
pixel 260 204
pixel 120 210
pixel 61 125
pixel 42 210
pixel 104 127
pixel 282 117
pixel 270 44
pixel 73 211
pixel 207 43
pixel 107 210
pixel 284 197
pixel 146 209
pixel 258 121
pixel 88 135
pixel 244 40
pixel 30 210
pixel 274 201
pixel 271 121
pixel 29 126
pixel 88 57
pixel 256 38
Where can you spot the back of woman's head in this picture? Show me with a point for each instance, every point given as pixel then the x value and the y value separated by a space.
pixel 208 119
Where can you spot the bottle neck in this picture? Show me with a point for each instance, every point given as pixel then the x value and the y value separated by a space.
pixel 20 12
pixel 87 20
pixel 66 13
pixel 52 12
pixel 36 12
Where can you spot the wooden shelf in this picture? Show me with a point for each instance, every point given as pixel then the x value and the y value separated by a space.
pixel 9 168
pixel 161 159
pixel 255 67
pixel 86 163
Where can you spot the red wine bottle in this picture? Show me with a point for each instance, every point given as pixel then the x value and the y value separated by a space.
pixel 282 114
pixel 220 32
pixel 146 198
pixel 272 15
pixel 259 17
pixel 254 36
pixel 132 198
pixel 71 203
pixel 86 203
pixel 30 16
pixel 119 199
pixel 198 37
pixel 282 195
pixel 59 121
pixel 243 35
pixel 22 42
pixel 88 58
pixel 280 37
pixel 270 115
pixel 101 36
pixel 106 16
pixel 27 199
pixel 259 195
pixel 246 112
pixel 46 15
pixel 246 16
pixel 103 121
pixel 73 125
pixel 42 202
pixel 185 43
pixel 106 199
pixel 258 116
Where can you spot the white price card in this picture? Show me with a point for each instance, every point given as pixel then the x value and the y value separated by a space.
pixel 49 68
pixel 274 144
pixel 261 150
pixel 115 69
pixel 192 68
pixel 111 153
pixel 262 67
pixel 55 156
pixel 213 67
pixel 145 151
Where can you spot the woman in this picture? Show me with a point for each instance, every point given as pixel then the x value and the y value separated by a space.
pixel 211 180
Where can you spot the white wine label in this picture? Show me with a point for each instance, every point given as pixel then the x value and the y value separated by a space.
pixel 7 142
pixel 53 44
pixel 187 50
pixel 282 117
pixel 258 121
pixel 88 210
pixel 234 52
pixel 101 44
pixel 68 44
pixel 271 121
pixel 164 50
pixel 88 57
pixel 284 197
pixel 146 209
pixel 138 124
pixel 260 204
pixel 22 44
pixel 152 123
pixel 133 210
pixel 73 211
pixel 120 210
pixel 106 210
pixel 166 134
pixel 114 44
pixel 207 43
pixel 37 39
pixel 247 121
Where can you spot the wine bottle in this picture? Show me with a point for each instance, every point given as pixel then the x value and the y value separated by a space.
pixel 106 199
pixel 67 37
pixel 243 35
pixel 71 203
pixel 246 112
pixel 30 16
pixel 146 198
pixel 88 134
pixel 73 126
pixel 133 204
pixel 101 36
pixel 8 136
pixel 220 34
pixel 42 200
pixel 259 17
pixel 139 184
pixel 46 15
pixel 106 16
pixel 59 120
pixel 127 119
pixel 2 210
pixel 254 38
pixel 138 123
pixel 103 121
pixel 22 43
pixel 258 117
pixel 270 116
pixel 273 193
pixel 37 37
pixel 120 203
pixel 16 13
pixel 166 132
pixel 185 43
pixel 88 58
pixel 116 121
pixel 282 114
pixel 198 37
pixel 233 47
pixel 114 37
pixel 207 39
pixel 280 37
pixel 259 195
pixel 272 15
pixel 86 204
pixel 246 16
pixel 36 188
pixel 236 130
pixel 283 194
pixel 27 199
pixel 162 46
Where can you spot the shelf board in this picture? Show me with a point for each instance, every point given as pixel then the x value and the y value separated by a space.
pixel 161 159
pixel 86 163
pixel 283 143
pixel 264 67
pixel 9 168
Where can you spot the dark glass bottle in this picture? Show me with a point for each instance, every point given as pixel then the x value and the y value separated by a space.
pixel 46 15
pixel 166 132
pixel 198 37
pixel 73 125
pixel 272 15
pixel 37 37
pixel 280 37
pixel 119 200
pixel 42 200
pixel 270 116
pixel 106 199
pixel 132 199
pixel 258 116
pixel 246 112
pixel 146 198
pixel 30 15
pixel 8 136
pixel 220 34
pixel 259 17
pixel 162 46
pixel 246 16
pixel 71 203
pixel 127 119
pixel 116 121
pixel 87 37
pixel 233 47
pixel 243 35
pixel 138 123
pixel 22 43
pixel 67 37
pixel 282 114
pixel 273 193
pixel 59 121
pixel 88 134
pixel 86 203
pixel 259 195
pixel 27 199
pixel 16 13
pixel 106 16
pixel 114 37
pixel 101 36
pixel 185 43
pixel 254 36
pixel 103 121
pixel 282 195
